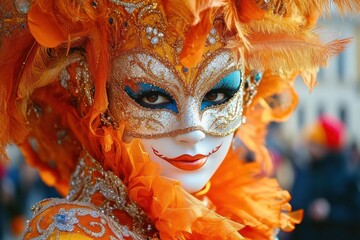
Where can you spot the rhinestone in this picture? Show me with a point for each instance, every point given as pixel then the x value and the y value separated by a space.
pixel 94 4
pixel 213 31
pixel 155 31
pixel 161 34
pixel 243 120
pixel 149 228
pixel 60 218
pixel 149 29
pixel 130 9
pixel 211 40
pixel 258 76
pixel 154 40
pixel 22 6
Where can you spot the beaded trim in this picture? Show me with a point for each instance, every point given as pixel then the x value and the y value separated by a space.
pixel 89 180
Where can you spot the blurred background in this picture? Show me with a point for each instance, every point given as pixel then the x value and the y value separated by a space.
pixel 315 153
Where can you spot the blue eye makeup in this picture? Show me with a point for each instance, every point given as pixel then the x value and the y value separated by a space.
pixel 153 97
pixel 223 91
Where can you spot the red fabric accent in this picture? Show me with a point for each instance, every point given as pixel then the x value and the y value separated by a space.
pixel 334 131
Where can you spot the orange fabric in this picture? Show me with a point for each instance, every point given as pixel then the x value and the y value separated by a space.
pixel 178 214
pixel 262 204
pixel 249 10
pixel 54 34
pixel 47 220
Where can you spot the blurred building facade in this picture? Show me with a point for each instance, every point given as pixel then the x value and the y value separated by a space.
pixel 338 89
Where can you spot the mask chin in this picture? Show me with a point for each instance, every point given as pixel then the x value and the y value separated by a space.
pixel 208 152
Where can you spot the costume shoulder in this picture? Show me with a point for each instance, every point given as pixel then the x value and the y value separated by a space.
pixel 64 219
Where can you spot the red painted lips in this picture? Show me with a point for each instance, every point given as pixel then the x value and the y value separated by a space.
pixel 187 162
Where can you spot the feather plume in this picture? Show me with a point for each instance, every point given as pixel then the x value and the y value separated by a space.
pixel 44 28
pixel 195 41
pixel 343 6
pixel 198 14
pixel 309 78
pixel 190 10
pixel 290 53
pixel 236 13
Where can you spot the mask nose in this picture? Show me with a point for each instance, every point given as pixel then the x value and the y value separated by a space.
pixel 190 138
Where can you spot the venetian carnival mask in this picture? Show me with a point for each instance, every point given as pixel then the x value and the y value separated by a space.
pixel 184 116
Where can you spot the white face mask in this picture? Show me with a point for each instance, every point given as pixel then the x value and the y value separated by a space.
pixel 191 158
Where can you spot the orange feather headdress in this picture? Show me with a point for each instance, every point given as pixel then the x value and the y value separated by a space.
pixel 54 114
pixel 41 38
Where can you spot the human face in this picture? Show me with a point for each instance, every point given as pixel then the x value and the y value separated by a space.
pixel 191 158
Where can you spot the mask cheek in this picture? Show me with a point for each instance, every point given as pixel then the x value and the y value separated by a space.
pixel 224 119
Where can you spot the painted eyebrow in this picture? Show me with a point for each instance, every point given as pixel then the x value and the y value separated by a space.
pixel 230 81
pixel 212 69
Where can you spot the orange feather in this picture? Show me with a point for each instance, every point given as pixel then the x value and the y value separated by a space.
pixel 44 28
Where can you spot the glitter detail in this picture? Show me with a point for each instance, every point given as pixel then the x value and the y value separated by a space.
pixel 252 82
pixel 149 30
pixel 129 7
pixel 14 17
pixel 110 187
pixel 258 76
pixel 61 135
pixel 22 6
pixel 65 220
pixel 90 179
pixel 64 78
pixel 213 37
pixel 154 40
pixel 144 66
pixel 153 35
pixel 211 40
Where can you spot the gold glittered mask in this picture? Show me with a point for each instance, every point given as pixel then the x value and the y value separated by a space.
pixel 149 94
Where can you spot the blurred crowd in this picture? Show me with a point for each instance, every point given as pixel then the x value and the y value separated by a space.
pixel 322 172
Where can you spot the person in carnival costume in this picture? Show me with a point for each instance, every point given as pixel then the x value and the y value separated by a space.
pixel 132 110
